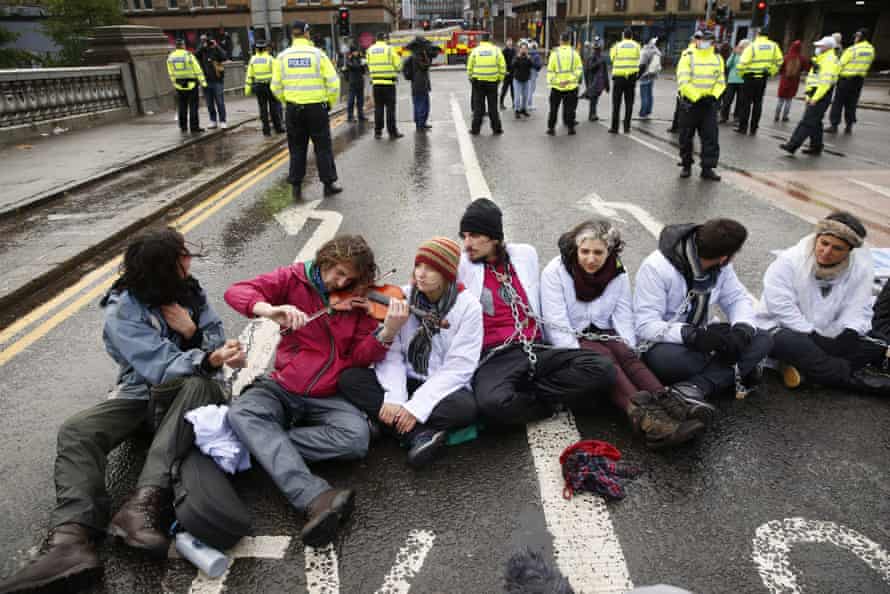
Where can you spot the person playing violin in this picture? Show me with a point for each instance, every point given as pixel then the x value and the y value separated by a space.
pixel 422 388
pixel 295 415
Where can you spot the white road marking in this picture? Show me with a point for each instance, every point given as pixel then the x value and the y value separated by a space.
pixel 409 560
pixel 475 180
pixel 610 209
pixel 773 542
pixel 257 547
pixel 322 570
pixel 639 140
pixel 882 190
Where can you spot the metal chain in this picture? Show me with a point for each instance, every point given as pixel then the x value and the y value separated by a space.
pixel 648 344
pixel 229 382
pixel 514 301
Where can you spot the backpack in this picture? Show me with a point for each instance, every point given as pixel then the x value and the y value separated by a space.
pixel 205 502
pixel 408 68
pixel 654 66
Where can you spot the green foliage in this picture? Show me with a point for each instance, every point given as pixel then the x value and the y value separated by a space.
pixel 11 57
pixel 71 21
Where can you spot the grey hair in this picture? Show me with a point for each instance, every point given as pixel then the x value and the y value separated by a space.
pixel 602 230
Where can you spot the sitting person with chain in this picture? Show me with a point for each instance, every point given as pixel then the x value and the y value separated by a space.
pixel 586 303
pixel 296 415
pixel 675 286
pixel 169 345
pixel 422 388
pixel 519 378
pixel 817 303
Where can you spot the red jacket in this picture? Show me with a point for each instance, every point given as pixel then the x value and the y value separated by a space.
pixel 309 360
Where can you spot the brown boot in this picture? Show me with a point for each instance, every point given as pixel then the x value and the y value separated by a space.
pixel 660 429
pixel 68 554
pixel 142 523
pixel 325 515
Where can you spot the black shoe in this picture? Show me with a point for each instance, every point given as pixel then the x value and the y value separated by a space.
pixel 267 133
pixel 831 130
pixel 613 130
pixel 593 119
pixel 742 131
pixel 685 401
pixel 572 132
pixel 551 132
pixel 517 115
pixel 627 129
pixel 325 515
pixel 68 561
pixel 525 113
pixel 474 132
pixel 378 134
pixel 332 189
pixel 870 381
pixel 427 127
pixel 196 130
pixel 686 172
pixel 787 147
pixel 776 119
pixel 280 131
pixel 810 150
pixel 395 135
pixel 710 174
pixel 671 130
pixel 425 447
pixel 722 120
pixel 142 522
pixel 296 193
pixel 752 132
pixel 183 130
pixel 785 119
pixel 848 129
pixel 497 132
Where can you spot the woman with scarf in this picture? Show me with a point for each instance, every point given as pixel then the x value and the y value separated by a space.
pixel 586 289
pixel 817 302
pixel 596 77
pixel 792 67
pixel 422 388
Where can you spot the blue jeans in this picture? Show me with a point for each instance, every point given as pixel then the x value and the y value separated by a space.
pixel 521 95
pixel 421 109
pixel 213 95
pixel 646 96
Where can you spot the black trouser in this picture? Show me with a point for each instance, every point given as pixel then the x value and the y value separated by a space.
pixel 623 88
pixel 573 377
pixel 594 99
pixel 485 93
pixel 86 439
pixel 751 102
pixel 359 386
pixel 507 84
pixel 266 101
pixel 675 121
pixel 811 125
pixel 385 99
pixel 846 98
pixel 187 102
pixel 828 364
pixel 700 117
pixel 356 99
pixel 733 91
pixel 673 363
pixel 305 122
pixel 569 100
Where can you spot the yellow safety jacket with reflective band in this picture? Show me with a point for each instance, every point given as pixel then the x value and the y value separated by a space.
pixel 822 75
pixel 857 59
pixel 700 74
pixel 184 70
pixel 486 63
pixel 564 69
pixel 259 71
pixel 761 58
pixel 384 64
pixel 625 56
pixel 303 74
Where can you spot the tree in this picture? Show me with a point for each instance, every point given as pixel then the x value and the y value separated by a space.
pixel 11 57
pixel 71 21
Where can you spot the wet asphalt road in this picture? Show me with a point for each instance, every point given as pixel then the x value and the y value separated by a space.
pixel 689 520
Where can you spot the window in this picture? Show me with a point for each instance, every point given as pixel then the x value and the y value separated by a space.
pixel 173 4
pixel 620 5
pixel 683 5
pixel 660 5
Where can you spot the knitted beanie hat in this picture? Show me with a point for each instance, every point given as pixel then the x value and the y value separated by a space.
pixel 843 225
pixel 442 254
pixel 483 216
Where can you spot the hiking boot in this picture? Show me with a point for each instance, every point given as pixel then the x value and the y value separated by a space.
pixel 686 401
pixel 870 381
pixel 142 522
pixel 68 554
pixel 425 447
pixel 660 429
pixel 325 514
pixel 791 377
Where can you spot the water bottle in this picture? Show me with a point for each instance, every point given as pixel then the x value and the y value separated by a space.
pixel 202 556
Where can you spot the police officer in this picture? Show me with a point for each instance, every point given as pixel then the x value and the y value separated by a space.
pixel 305 80
pixel 675 127
pixel 700 81
pixel 486 67
pixel 186 74
pixel 854 65
pixel 760 60
pixel 820 81
pixel 625 56
pixel 258 81
pixel 564 71
pixel 384 65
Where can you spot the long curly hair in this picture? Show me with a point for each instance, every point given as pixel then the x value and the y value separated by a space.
pixel 352 250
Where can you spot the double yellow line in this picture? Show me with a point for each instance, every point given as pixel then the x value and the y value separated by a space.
pixel 98 281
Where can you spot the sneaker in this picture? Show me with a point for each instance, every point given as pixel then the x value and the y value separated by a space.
pixel 869 380
pixel 325 514
pixel 68 562
pixel 685 401
pixel 223 125
pixel 425 446
pixel 791 377
pixel 211 126
pixel 142 522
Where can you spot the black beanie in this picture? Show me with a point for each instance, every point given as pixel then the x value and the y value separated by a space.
pixel 483 216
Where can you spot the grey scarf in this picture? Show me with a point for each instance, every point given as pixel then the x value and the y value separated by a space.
pixel 422 343
pixel 701 284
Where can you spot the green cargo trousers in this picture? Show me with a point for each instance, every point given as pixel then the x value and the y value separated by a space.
pixel 86 439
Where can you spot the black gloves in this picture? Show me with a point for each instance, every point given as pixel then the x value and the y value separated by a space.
pixel 847 342
pixel 707 340
pixel 740 338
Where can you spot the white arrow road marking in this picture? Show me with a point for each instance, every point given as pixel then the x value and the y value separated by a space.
pixel 322 570
pixel 475 180
pixel 409 560
pixel 256 547
pixel 773 542
pixel 609 210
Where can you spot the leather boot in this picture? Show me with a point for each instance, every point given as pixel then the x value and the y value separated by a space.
pixel 325 514
pixel 67 560
pixel 142 522
pixel 685 401
pixel 661 430
pixel 332 189
pixel 869 380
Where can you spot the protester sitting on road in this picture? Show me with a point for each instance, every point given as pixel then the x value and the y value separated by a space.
pixel 586 302
pixel 422 388
pixel 169 343
pixel 817 303
pixel 519 379
pixel 295 415
pixel 674 288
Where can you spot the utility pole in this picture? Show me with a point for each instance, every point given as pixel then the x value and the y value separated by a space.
pixel 587 29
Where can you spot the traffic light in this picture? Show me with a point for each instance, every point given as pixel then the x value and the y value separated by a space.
pixel 343 21
pixel 758 16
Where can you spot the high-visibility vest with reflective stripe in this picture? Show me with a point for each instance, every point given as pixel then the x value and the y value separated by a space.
pixel 259 69
pixel 700 74
pixel 822 75
pixel 303 74
pixel 565 67
pixel 857 59
pixel 184 70
pixel 383 64
pixel 486 63
pixel 625 56
pixel 761 58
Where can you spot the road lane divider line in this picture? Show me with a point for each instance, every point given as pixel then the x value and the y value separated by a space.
pixel 475 180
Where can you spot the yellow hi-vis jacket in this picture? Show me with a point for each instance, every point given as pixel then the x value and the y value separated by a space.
pixel 564 69
pixel 384 64
pixel 184 70
pixel 857 59
pixel 700 74
pixel 761 58
pixel 303 74
pixel 822 75
pixel 259 71
pixel 486 63
pixel 625 56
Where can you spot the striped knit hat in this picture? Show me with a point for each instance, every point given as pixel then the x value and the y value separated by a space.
pixel 442 254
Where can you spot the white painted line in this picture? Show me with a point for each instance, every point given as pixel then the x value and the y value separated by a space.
pixel 409 560
pixel 773 542
pixel 882 190
pixel 322 570
pixel 258 547
pixel 475 180
pixel 636 138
